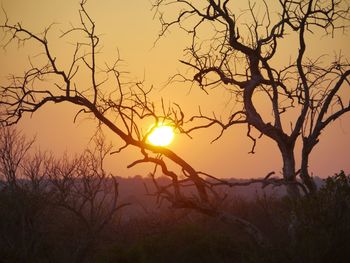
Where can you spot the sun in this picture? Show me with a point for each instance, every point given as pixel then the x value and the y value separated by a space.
pixel 162 135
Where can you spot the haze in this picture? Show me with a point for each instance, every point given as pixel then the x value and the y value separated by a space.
pixel 129 27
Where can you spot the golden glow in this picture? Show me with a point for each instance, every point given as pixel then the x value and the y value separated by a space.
pixel 162 135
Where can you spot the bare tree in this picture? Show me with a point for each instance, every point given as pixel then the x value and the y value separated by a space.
pixel 36 186
pixel 121 109
pixel 239 50
pixel 122 106
pixel 82 188
pixel 13 150
pixel 23 195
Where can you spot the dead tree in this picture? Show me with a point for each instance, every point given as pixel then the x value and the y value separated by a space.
pixel 114 103
pixel 37 189
pixel 23 195
pixel 80 187
pixel 13 150
pixel 238 49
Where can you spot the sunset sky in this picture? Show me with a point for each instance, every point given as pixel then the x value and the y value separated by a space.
pixel 130 28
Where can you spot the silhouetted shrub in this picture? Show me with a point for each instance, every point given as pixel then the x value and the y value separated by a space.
pixel 65 211
pixel 323 230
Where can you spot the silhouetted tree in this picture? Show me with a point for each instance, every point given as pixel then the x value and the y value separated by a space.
pixel 13 150
pixel 23 197
pixel 82 188
pixel 121 108
pixel 240 50
pixel 39 194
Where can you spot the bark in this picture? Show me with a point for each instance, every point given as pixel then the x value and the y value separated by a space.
pixel 304 170
pixel 289 170
pixel 285 143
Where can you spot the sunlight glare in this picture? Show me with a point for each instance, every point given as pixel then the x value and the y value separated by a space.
pixel 162 135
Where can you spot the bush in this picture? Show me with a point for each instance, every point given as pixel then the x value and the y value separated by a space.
pixel 323 222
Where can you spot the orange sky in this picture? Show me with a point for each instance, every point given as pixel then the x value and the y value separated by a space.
pixel 129 27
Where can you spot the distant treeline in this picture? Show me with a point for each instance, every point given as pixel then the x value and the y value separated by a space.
pixel 71 210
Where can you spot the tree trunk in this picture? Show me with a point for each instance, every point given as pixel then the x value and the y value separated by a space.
pixel 289 171
pixel 304 170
